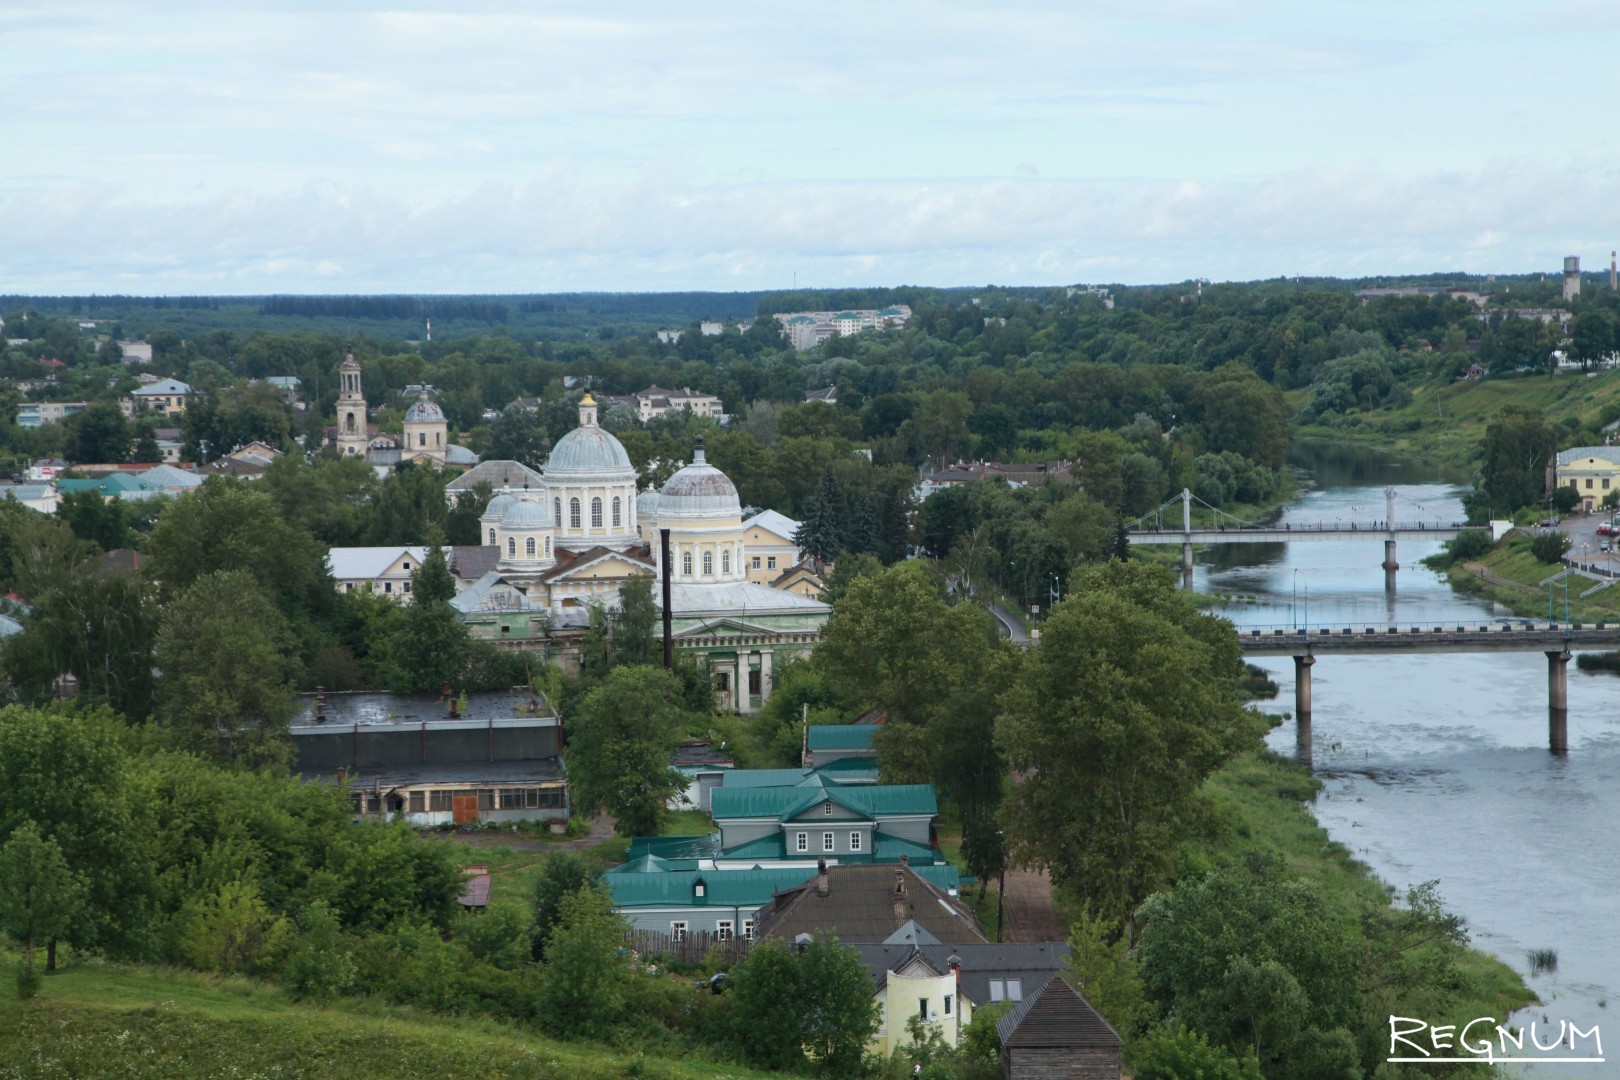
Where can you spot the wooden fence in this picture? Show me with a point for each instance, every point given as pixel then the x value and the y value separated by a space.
pixel 692 948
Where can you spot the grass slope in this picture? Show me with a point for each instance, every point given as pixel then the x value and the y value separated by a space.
pixel 95 1022
pixel 1445 423
pixel 1511 576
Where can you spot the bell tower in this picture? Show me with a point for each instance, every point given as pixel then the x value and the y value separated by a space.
pixel 351 409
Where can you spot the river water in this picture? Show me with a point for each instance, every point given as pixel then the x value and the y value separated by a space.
pixel 1435 766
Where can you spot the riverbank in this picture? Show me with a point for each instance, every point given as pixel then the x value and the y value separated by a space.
pixel 1444 423
pixel 1263 804
pixel 1511 576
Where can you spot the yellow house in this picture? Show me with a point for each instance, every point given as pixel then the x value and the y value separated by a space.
pixel 768 540
pixel 918 990
pixel 1594 471
pixel 167 396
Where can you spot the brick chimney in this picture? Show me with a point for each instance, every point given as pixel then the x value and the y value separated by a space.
pixel 823 883
pixel 320 704
pixel 902 903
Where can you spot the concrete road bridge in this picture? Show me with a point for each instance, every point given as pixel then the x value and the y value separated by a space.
pixel 1215 526
pixel 1558 641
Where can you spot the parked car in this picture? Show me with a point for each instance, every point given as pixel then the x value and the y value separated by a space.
pixel 1605 528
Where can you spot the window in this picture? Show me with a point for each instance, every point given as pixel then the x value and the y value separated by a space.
pixel 756 562
pixel 826 841
pixel 407 586
pixel 708 564
pixel 947 1004
pixel 1015 989
pixel 348 586
pixel 1605 483
pixel 596 513
pixel 511 546
pixel 855 841
pixel 573 513
pixel 722 682
pixel 748 929
pixel 486 798
pixel 440 800
pixel 826 808
pixel 686 564
pixel 417 802
pixel 551 800
pixel 388 586
pixel 723 930
pixel 998 990
pixel 677 932
pixel 556 511
pixel 803 843
pixel 770 563
pixel 528 547
pixel 1588 483
pixel 511 798
pixel 616 513
pixel 699 889
pixel 505 629
pixel 754 683
pixel 406 565
pixel 421 438
pixel 922 1008
pixel 492 538
pixel 725 562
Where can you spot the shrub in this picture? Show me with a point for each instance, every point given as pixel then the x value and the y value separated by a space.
pixel 1470 545
pixel 28 980
pixel 320 968
pixel 1549 547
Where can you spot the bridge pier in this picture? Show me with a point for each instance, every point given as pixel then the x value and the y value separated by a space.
pixel 1390 565
pixel 1186 564
pixel 1302 707
pixel 1558 701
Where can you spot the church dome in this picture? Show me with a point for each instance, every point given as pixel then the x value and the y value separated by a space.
pixel 699 491
pixel 647 506
pixel 497 508
pixel 588 450
pixel 524 514
pixel 423 411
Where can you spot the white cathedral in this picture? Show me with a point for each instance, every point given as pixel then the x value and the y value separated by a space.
pixel 739 594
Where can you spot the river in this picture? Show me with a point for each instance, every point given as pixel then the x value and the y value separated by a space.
pixel 1436 766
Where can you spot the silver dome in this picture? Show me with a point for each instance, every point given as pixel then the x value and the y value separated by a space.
pixel 523 514
pixel 698 491
pixel 497 508
pixel 647 506
pixel 588 450
pixel 423 411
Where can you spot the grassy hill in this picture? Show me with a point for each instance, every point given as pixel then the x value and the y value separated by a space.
pixel 93 1021
pixel 1445 422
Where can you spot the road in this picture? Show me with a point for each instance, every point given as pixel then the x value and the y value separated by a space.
pixel 1009 621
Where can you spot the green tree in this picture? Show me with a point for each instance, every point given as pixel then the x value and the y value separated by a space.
pixel 822 534
pixel 620 747
pixel 408 507
pixel 1118 716
pixel 1550 546
pixel 104 522
pixel 1174 1053
pixel 1519 444
pixel 463 528
pixel 431 581
pixel 1592 335
pixel 40 896
pixel 319 967
pixel 228 667
pixel 1101 968
pixel 561 874
pixel 1260 964
pixel 516 435
pixel 329 498
pixel 816 999
pixel 432 648
pixel 586 986
pixel 99 434
pixel 635 625
pixel 1244 414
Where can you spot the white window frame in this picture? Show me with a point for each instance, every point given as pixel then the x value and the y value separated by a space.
pixel 748 929
pixel 998 991
pixel 855 840
pixel 723 930
pixel 826 808
pixel 596 513
pixel 829 841
pixel 677 931
pixel 803 842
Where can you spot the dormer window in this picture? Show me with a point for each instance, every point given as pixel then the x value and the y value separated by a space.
pixel 699 889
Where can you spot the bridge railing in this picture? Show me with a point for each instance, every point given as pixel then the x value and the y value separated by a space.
pixel 1322 526
pixel 1450 629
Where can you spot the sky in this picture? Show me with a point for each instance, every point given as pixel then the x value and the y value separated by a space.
pixel 338 146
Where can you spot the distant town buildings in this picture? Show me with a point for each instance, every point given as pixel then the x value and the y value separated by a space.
pixel 425 440
pixel 807 329
pixel 656 401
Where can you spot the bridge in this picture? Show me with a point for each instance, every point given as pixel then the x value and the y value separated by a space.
pixel 1557 641
pixel 1220 527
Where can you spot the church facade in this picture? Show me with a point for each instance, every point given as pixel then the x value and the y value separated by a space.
pixel 424 441
pixel 573 540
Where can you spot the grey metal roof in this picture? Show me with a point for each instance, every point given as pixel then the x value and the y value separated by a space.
pixel 1611 454
pixel 1056 1016
pixel 1029 963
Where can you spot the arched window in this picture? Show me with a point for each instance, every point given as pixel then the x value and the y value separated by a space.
pixel 528 547
pixel 686 563
pixel 615 511
pixel 511 547
pixel 596 513
pixel 573 513
pixel 708 564
pixel 492 540
pixel 725 562
pixel 556 511
pixel 548 547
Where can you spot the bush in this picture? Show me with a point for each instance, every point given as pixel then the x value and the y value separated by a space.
pixel 320 968
pixel 1549 547
pixel 1470 545
pixel 28 980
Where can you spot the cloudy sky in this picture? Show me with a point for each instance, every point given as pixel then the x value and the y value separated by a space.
pixel 169 146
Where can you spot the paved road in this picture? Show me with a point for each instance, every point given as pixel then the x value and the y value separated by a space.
pixel 1015 629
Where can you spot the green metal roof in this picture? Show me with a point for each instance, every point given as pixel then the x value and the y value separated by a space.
pixel 889 849
pixel 111 484
pixel 766 849
pixel 742 778
pixel 785 803
pixel 847 769
pixel 665 848
pixel 723 888
pixel 841 736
